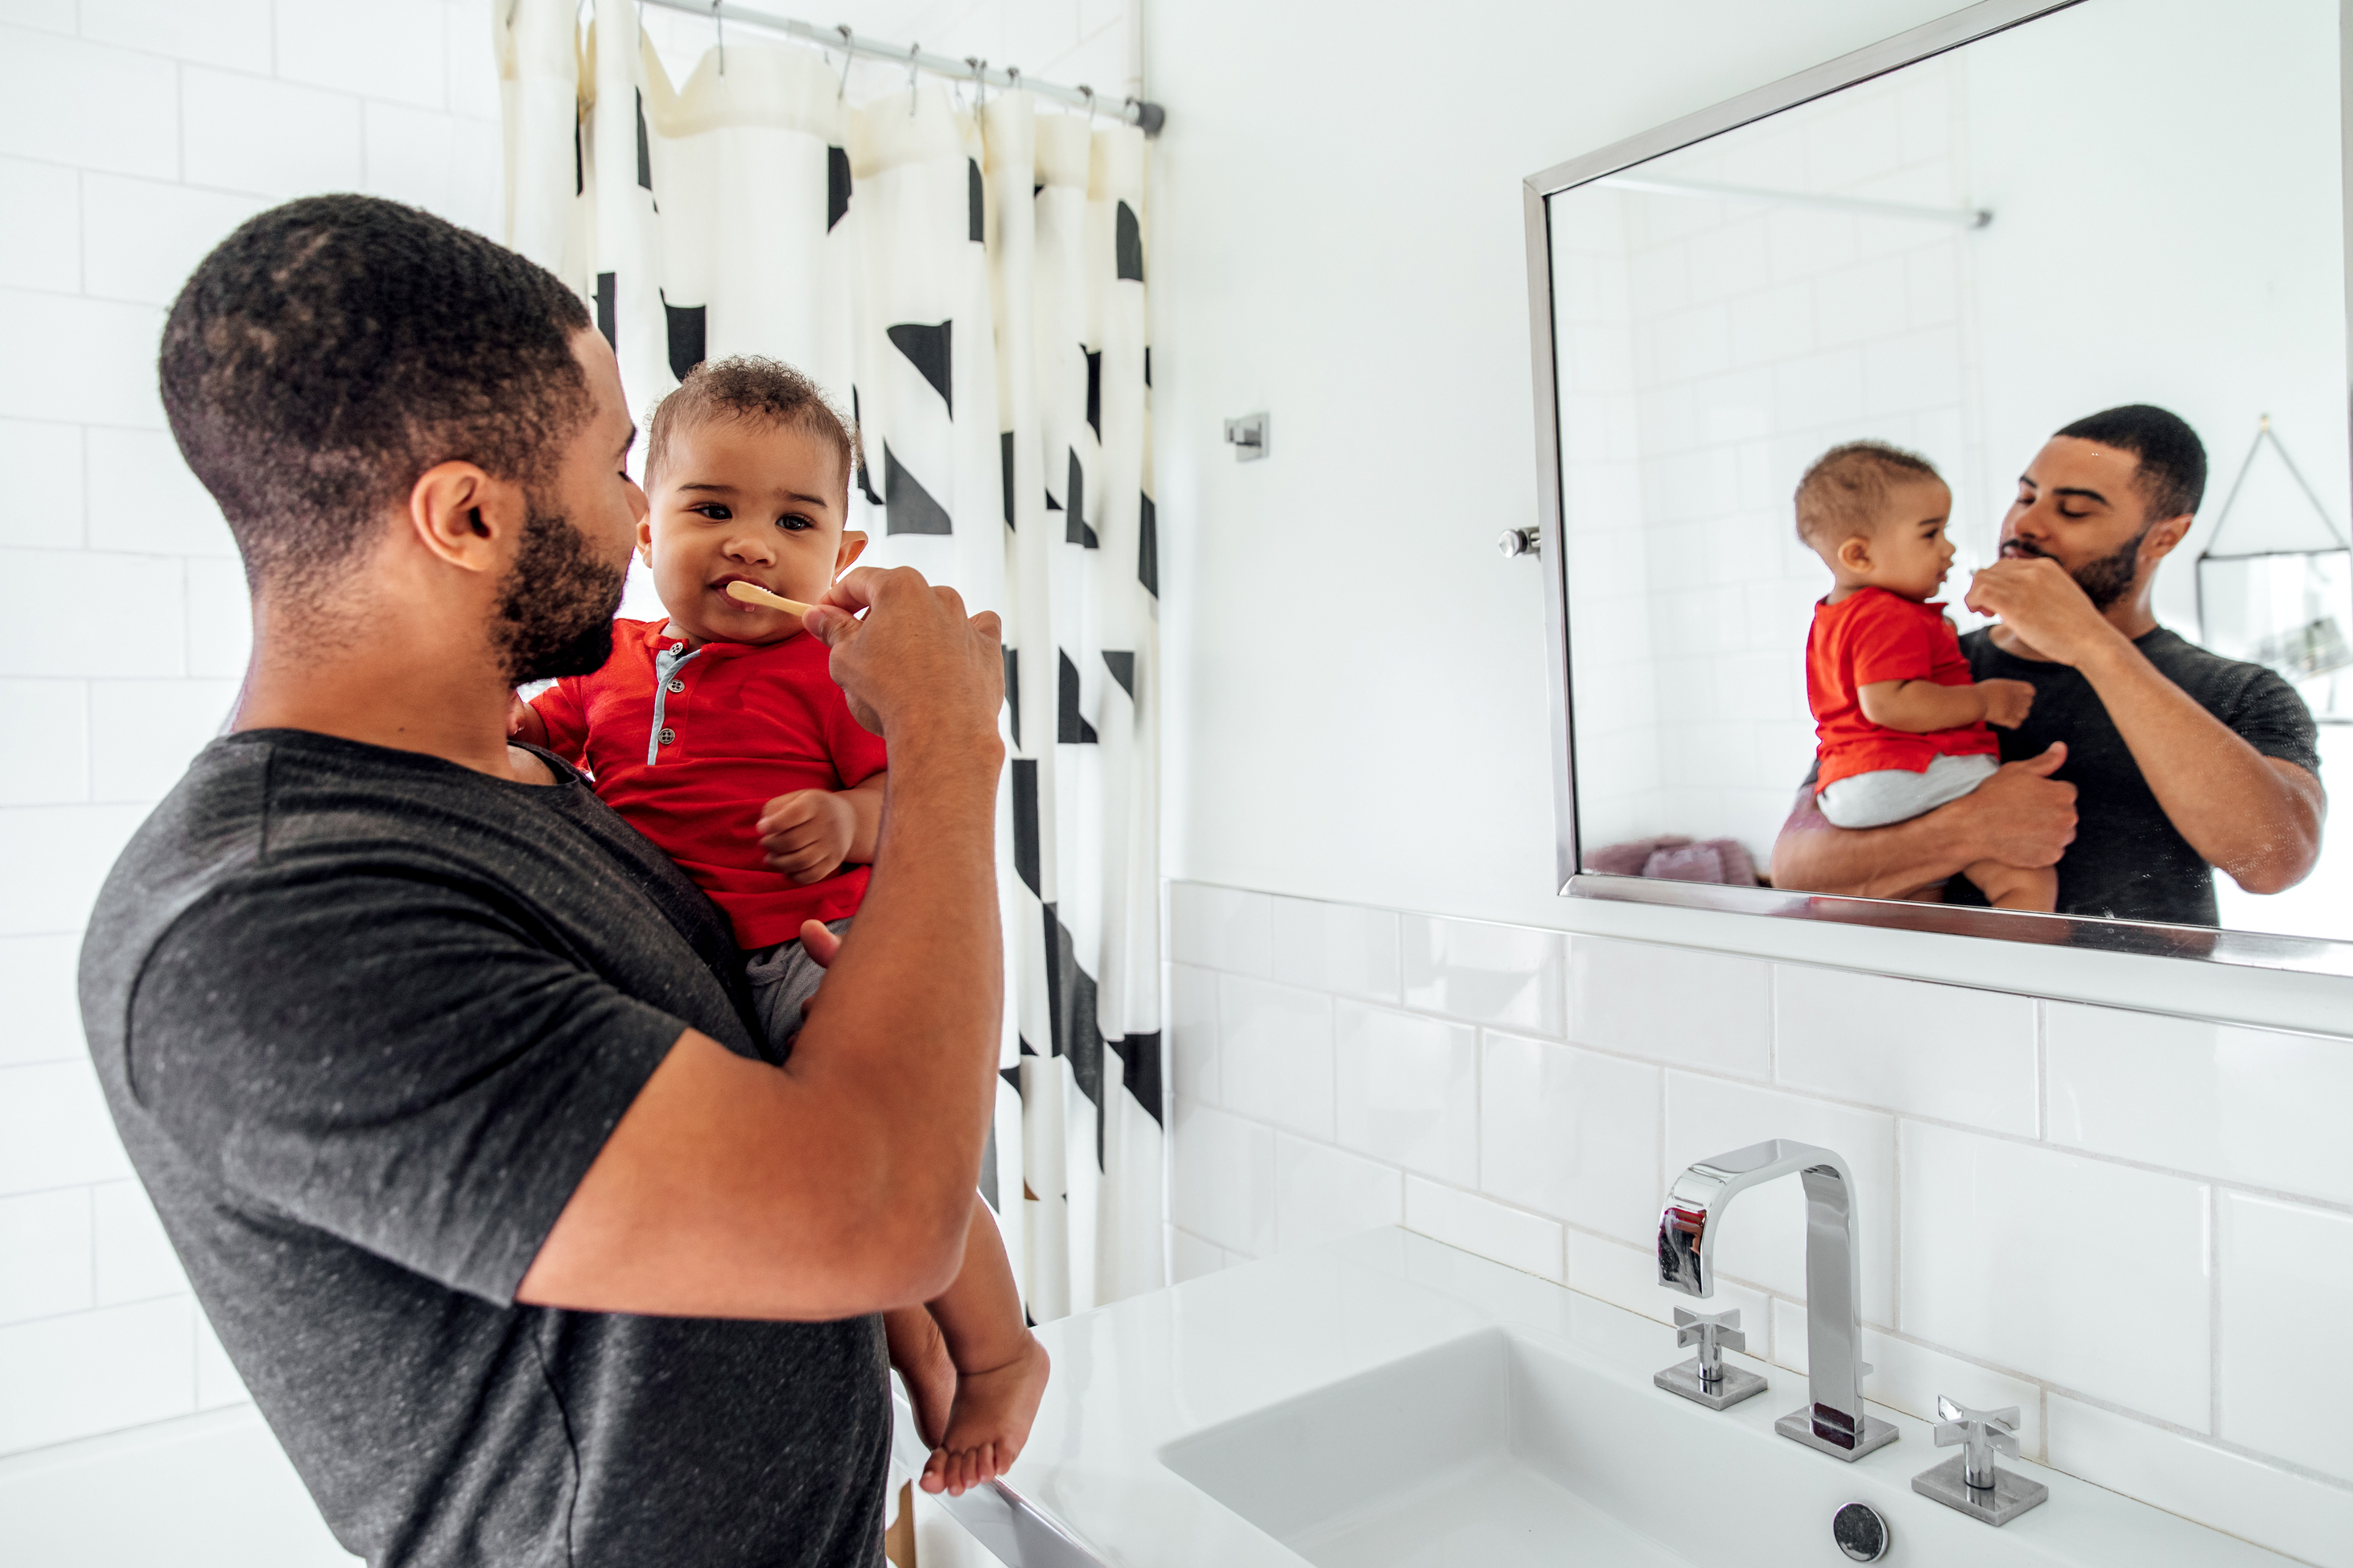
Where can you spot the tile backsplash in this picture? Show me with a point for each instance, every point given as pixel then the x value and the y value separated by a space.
pixel 2137 1228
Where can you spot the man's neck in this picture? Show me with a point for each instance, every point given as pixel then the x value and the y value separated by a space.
pixel 403 693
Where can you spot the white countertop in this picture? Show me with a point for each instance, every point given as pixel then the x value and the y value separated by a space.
pixel 1130 1378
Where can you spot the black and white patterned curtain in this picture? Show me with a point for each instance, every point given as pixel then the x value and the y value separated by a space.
pixel 969 284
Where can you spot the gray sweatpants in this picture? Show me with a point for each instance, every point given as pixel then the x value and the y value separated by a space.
pixel 1899 795
pixel 784 977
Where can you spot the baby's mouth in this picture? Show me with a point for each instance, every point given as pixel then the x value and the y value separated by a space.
pixel 720 588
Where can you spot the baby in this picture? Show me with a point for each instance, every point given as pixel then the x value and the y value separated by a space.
pixel 719 734
pixel 1899 728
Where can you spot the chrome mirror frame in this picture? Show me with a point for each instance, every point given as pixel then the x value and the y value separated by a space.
pixel 2214 944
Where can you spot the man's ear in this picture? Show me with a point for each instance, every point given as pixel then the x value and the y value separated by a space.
pixel 854 545
pixel 1854 553
pixel 464 518
pixel 2162 537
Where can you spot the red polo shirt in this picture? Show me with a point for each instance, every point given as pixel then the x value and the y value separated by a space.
pixel 1869 637
pixel 688 745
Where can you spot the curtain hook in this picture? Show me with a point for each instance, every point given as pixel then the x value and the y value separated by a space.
pixel 848 58
pixel 912 50
pixel 719 23
pixel 1091 106
pixel 979 81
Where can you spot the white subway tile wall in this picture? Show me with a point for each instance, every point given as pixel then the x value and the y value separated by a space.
pixel 1408 1089
pixel 2131 1227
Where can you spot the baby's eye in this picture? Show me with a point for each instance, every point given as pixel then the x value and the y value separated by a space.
pixel 793 523
pixel 711 509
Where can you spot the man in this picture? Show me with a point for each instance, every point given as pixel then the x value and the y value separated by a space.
pixel 444 1082
pixel 2145 761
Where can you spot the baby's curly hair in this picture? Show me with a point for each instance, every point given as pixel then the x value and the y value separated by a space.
pixel 747 387
pixel 1842 491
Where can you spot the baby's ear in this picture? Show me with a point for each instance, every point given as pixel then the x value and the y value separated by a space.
pixel 645 539
pixel 1854 553
pixel 854 545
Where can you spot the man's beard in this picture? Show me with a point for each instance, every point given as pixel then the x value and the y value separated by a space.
pixel 2103 580
pixel 556 610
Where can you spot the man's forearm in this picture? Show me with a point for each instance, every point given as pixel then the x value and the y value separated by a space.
pixel 905 1040
pixel 2226 798
pixel 1903 859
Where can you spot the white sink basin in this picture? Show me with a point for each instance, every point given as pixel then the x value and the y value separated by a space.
pixel 1479 1451
pixel 1386 1402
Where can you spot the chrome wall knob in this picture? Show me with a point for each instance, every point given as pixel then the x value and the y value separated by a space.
pixel 1521 541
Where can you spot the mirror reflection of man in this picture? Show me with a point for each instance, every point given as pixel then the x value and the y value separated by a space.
pixel 2145 761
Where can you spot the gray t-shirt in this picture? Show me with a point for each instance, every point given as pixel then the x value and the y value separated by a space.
pixel 365 1018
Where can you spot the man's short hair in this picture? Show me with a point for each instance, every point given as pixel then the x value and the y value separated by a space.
pixel 1842 491
pixel 2171 460
pixel 756 391
pixel 330 351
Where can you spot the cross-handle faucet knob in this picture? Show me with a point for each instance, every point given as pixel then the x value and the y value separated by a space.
pixel 1981 1433
pixel 1714 1334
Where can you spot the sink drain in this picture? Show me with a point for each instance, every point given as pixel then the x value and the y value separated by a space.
pixel 1860 1533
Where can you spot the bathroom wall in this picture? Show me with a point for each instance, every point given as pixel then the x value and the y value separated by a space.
pixel 2113 1220
pixel 133 135
pixel 1381 1010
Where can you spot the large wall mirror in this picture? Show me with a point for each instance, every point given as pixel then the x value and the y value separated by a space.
pixel 1915 268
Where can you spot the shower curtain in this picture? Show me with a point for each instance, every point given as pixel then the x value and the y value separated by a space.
pixel 968 283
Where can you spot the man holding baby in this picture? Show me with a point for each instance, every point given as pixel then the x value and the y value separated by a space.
pixel 2144 760
pixel 447 1084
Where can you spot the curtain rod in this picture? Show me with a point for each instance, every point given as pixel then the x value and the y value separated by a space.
pixel 1135 112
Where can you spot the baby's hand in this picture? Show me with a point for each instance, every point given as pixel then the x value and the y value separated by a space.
pixel 523 722
pixel 2006 702
pixel 806 833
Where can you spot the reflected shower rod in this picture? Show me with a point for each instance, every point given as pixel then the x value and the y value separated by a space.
pixel 1134 111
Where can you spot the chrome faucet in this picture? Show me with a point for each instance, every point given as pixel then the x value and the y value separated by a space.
pixel 1832 1419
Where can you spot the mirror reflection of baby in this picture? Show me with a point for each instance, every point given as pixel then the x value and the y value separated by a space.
pixel 1901 729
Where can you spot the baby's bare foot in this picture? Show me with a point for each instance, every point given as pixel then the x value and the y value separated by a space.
pixel 989 1423
pixel 920 1356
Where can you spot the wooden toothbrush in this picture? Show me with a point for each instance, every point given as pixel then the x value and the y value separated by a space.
pixel 753 594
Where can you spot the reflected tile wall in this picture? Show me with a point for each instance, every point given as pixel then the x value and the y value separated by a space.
pixel 2133 1227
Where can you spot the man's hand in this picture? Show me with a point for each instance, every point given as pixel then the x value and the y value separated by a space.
pixel 914 662
pixel 2007 701
pixel 2042 606
pixel 807 835
pixel 2021 816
